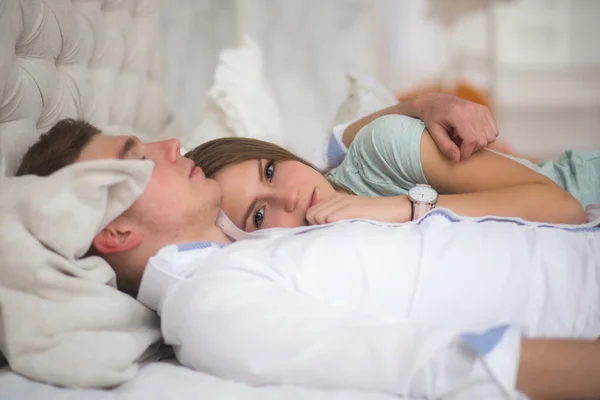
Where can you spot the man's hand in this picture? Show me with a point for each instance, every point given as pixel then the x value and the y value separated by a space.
pixel 344 206
pixel 458 127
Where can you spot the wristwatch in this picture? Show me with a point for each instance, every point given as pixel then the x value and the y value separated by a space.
pixel 422 199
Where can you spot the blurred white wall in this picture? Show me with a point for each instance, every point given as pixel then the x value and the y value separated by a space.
pixel 547 81
pixel 307 44
pixel 545 75
pixel 544 67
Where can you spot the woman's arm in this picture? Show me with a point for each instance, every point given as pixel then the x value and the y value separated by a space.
pixel 444 115
pixel 397 151
pixel 490 184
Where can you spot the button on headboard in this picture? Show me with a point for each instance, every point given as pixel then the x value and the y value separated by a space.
pixel 91 59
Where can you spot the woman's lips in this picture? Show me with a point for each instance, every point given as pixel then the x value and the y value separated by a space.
pixel 313 198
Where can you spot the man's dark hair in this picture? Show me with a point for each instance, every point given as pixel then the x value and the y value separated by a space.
pixel 59 147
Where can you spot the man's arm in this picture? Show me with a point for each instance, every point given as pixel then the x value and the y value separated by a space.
pixel 445 116
pixel 559 369
pixel 247 328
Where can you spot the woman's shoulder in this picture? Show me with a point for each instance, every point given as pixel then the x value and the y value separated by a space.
pixel 385 152
pixel 389 136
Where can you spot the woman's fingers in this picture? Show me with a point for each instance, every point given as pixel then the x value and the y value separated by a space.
pixel 316 215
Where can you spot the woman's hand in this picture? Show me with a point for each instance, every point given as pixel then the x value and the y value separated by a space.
pixel 345 206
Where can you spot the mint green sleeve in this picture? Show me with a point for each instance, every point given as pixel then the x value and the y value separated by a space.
pixel 385 154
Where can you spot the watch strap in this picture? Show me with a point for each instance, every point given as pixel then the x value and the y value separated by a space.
pixel 420 210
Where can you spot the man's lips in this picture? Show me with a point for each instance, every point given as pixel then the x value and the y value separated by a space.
pixel 195 171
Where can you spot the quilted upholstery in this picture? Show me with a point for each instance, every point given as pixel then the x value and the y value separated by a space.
pixel 91 59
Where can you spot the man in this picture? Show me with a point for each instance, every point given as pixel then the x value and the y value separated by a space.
pixel 363 305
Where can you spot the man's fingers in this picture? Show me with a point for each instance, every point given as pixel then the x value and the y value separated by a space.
pixel 493 134
pixel 486 127
pixel 444 142
pixel 467 148
pixel 475 130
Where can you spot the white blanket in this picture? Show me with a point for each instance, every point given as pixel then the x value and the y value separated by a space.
pixel 168 380
pixel 62 320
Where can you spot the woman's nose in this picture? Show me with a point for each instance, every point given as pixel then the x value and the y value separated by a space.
pixel 287 198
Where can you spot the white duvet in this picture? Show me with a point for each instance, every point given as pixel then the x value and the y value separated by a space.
pixel 169 381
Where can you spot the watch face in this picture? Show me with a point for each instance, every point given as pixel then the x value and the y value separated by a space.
pixel 423 194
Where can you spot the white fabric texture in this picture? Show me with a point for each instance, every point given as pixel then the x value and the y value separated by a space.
pixel 91 59
pixel 62 319
pixel 373 306
pixel 240 102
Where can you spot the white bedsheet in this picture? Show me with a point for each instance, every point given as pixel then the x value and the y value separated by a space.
pixel 168 380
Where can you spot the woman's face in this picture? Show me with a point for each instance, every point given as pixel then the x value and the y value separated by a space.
pixel 259 194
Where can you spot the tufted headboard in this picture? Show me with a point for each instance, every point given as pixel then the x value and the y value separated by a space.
pixel 91 59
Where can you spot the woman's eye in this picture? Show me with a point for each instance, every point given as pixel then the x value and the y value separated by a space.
pixel 258 217
pixel 269 171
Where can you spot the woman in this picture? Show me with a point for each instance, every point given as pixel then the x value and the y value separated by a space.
pixel 265 186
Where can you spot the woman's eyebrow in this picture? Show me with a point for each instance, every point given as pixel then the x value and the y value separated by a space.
pixel 130 143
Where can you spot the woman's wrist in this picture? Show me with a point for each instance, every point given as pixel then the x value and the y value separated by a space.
pixel 402 209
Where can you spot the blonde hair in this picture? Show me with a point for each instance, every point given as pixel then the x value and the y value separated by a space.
pixel 217 154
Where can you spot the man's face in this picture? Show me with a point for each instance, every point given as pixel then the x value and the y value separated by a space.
pixel 178 196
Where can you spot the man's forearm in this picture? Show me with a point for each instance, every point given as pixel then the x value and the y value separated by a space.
pixel 408 108
pixel 559 369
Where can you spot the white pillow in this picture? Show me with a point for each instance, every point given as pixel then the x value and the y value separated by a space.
pixel 240 102
pixel 365 96
pixel 62 319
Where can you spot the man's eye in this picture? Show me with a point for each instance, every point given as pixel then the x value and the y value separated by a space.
pixel 269 171
pixel 258 217
pixel 137 155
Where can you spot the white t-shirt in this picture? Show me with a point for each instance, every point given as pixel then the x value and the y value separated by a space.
pixel 432 308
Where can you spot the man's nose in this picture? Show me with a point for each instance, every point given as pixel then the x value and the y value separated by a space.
pixel 171 149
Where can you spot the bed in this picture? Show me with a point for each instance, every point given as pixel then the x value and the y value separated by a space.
pixel 98 60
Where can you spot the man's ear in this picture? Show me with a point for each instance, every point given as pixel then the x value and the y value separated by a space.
pixel 117 237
